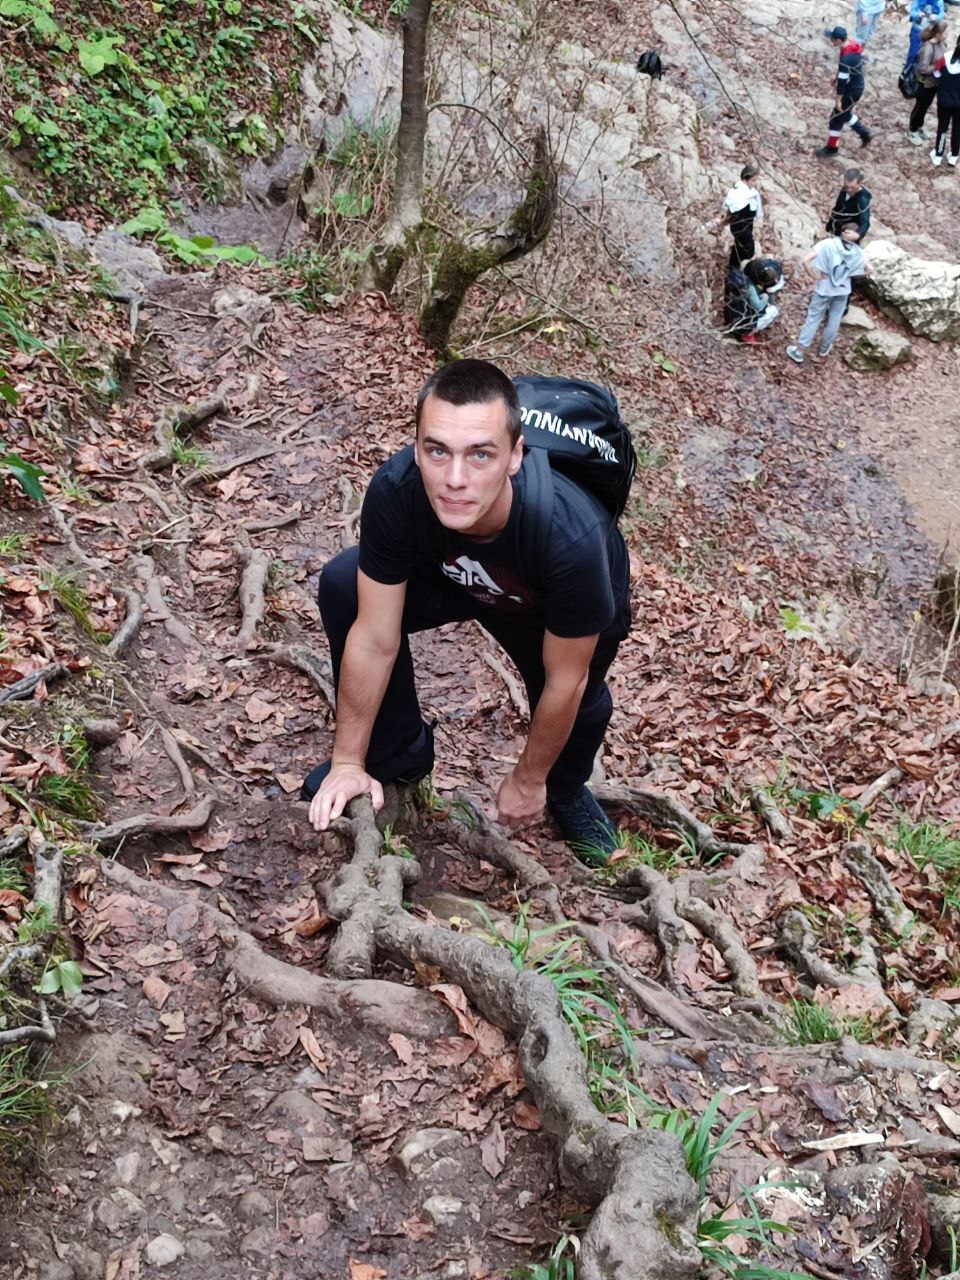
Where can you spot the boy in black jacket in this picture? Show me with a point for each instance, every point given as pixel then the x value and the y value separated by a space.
pixel 852 205
pixel 849 91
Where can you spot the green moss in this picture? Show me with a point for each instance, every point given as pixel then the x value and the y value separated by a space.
pixel 669 1228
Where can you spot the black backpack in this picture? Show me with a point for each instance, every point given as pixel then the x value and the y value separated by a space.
pixel 649 64
pixel 575 428
pixel 909 81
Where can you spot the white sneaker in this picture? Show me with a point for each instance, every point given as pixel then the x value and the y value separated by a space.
pixel 952 160
pixel 795 354
pixel 915 138
pixel 937 159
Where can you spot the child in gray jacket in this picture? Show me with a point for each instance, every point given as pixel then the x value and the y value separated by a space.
pixel 833 263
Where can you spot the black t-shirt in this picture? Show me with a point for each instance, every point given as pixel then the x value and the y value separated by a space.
pixel 581 591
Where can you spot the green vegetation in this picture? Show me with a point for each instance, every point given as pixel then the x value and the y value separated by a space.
pixel 68 593
pixel 937 846
pixel 27 476
pixel 25 1096
pixel 197 251
pixel 811 1023
pixel 559 1266
pixel 189 455
pixel 112 108
pixel 641 852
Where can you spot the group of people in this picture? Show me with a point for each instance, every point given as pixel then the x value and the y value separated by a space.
pixel 834 262
pixel 931 74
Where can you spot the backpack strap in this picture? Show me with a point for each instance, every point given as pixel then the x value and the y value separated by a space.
pixel 537 518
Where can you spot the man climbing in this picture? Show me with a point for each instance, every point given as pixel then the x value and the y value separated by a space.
pixel 441 541
pixel 852 205
pixel 848 92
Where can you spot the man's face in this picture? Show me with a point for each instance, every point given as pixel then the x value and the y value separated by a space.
pixel 851 187
pixel 466 461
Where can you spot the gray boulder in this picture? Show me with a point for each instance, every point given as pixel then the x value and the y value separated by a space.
pixel 878 349
pixel 922 292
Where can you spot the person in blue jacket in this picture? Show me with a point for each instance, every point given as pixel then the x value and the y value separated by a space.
pixel 922 13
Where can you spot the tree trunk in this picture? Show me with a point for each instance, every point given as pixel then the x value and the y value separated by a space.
pixel 400 232
pixel 464 260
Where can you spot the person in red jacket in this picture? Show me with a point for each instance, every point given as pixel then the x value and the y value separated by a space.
pixel 849 91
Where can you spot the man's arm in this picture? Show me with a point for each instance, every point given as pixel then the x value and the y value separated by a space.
pixel 368 659
pixel 566 663
pixel 807 262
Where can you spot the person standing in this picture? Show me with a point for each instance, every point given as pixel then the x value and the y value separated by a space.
pixel 932 49
pixel 833 263
pixel 852 205
pixel 743 209
pixel 868 15
pixel 848 92
pixel 947 76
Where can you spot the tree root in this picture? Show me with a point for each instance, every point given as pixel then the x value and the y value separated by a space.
pixel 147 573
pixel 651 996
pixel 275 522
pixel 77 553
pixel 645 1225
pixel 173 419
pixel 130 626
pixel 47 878
pixel 383 1007
pixel 140 824
pixel 172 748
pixel 664 811
pixel 877 788
pixel 350 514
pixel 14 842
pixel 24 688
pixel 798 941
pixel 891 907
pixel 253 602
pixel 300 658
pixel 513 687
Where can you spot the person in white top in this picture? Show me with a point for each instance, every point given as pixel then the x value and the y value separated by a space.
pixel 743 208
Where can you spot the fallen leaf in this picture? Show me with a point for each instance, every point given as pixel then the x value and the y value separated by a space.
pixel 176 1024
pixel 290 782
pixel 257 710
pixel 364 1271
pixel 493 1150
pixel 401 1046
pixel 211 841
pixel 949 1117
pixel 199 875
pixel 156 990
pixel 526 1116
pixel 311 1047
pixel 318 1146
pixel 456 1001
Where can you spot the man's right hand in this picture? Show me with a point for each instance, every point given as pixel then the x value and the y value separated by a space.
pixel 344 782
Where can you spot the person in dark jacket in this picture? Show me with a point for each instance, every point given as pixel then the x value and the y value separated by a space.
pixel 852 206
pixel 743 208
pixel 947 76
pixel 848 92
pixel 747 308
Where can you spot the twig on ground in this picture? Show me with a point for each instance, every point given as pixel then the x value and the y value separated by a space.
pixel 515 690
pixel 798 941
pixel 147 573
pixel 129 627
pixel 173 419
pixel 274 522
pixel 45 1031
pixel 300 658
pixel 252 599
pixel 171 747
pixel 769 814
pixel 140 824
pixel 21 689
pixel 876 789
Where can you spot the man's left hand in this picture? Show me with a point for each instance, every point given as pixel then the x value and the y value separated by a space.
pixel 520 801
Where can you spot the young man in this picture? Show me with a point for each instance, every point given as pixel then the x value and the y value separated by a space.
pixel 852 206
pixel 833 263
pixel 742 209
pixel 848 92
pixel 440 542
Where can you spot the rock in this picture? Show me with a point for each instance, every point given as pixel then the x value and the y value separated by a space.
pixel 422 1153
pixel 258 1243
pixel 132 265
pixel 297 1111
pixel 119 1207
pixel 223 174
pixel 86 1262
pixel 925 293
pixel 878 349
pixel 54 1269
pixel 320 1146
pixel 857 318
pixel 253 1205
pixel 198 1249
pixel 944 1215
pixel 442 1210
pixel 314 1225
pixel 127 1166
pixel 163 1249
pixel 456 1269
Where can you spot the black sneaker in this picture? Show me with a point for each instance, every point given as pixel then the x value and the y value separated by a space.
pixel 406 767
pixel 826 152
pixel 865 137
pixel 585 827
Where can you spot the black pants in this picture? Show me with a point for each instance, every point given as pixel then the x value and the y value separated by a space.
pixel 843 117
pixel 431 601
pixel 921 104
pixel 743 246
pixel 948 121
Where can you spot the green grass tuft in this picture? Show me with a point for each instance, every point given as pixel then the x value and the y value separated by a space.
pixel 938 846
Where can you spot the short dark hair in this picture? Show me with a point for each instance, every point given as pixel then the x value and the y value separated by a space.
pixel 853 175
pixel 472 382
pixel 749 170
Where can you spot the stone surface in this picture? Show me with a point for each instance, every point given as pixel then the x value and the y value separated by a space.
pixel 442 1210
pixel 253 1205
pixel 54 1269
pixel 163 1250
pixel 857 318
pixel 423 1150
pixel 878 349
pixel 131 264
pixel 258 1243
pixel 925 293
pixel 128 1166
